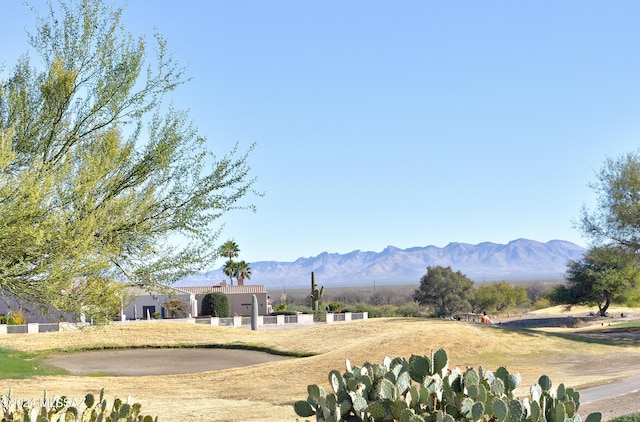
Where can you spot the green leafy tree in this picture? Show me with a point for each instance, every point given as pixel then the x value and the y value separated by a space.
pixel 96 173
pixel 498 297
pixel 603 276
pixel 537 291
pixel 445 290
pixel 616 218
pixel 215 304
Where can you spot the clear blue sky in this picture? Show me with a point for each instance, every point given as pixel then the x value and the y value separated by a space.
pixel 406 123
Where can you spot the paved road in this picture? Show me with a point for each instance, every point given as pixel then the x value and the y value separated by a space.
pixel 602 392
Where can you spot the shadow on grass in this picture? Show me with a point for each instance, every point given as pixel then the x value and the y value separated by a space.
pixel 235 346
pixel 612 335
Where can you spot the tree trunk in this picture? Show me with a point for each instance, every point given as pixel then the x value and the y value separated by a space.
pixel 607 302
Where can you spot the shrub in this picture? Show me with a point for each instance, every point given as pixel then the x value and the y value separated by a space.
pixel 284 312
pixel 334 306
pixel 305 309
pixel 216 304
pixel 177 309
pixel 282 306
pixel 16 318
pixel 387 310
pixel 541 304
pixel 59 409
pixel 412 309
pixel 373 311
pixel 425 389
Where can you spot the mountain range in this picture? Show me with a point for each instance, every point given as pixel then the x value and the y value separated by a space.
pixel 518 260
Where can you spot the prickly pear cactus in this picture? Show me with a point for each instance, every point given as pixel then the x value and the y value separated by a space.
pixel 425 389
pixel 63 409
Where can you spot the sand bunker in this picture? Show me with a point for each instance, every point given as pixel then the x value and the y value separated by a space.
pixel 131 362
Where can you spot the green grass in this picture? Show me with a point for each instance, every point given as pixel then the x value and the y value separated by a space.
pixel 15 364
pixel 634 417
pixel 627 324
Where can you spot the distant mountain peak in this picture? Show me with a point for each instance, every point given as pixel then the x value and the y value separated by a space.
pixel 519 259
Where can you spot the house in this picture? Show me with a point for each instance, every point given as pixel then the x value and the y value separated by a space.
pixel 186 301
pixel 158 301
pixel 239 297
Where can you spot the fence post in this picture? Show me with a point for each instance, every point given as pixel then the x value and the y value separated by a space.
pixel 33 328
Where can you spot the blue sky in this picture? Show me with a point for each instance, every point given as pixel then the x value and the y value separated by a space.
pixel 407 123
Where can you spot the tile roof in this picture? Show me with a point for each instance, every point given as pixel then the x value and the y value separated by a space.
pixel 226 289
pixel 158 289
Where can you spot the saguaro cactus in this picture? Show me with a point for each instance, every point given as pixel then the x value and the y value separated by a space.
pixel 316 295
pixel 254 312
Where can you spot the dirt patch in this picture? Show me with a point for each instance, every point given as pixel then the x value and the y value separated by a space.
pixel 613 407
pixel 130 362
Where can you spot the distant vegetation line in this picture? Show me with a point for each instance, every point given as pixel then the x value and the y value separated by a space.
pixel 400 300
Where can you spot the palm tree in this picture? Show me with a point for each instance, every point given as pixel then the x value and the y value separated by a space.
pixel 230 250
pixel 242 271
pixel 230 270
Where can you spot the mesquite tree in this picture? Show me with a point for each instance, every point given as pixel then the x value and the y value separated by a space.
pixel 445 291
pixel 603 276
pixel 96 173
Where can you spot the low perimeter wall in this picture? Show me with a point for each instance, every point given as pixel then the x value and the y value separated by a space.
pixel 237 321
pixel 41 327
pixel 274 320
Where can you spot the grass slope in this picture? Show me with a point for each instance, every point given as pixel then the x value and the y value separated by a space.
pixel 17 364
pixel 267 391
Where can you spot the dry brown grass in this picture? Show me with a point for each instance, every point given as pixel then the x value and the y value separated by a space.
pixel 266 392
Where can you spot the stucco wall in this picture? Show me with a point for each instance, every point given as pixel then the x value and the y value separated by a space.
pixel 240 303
pixel 137 308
